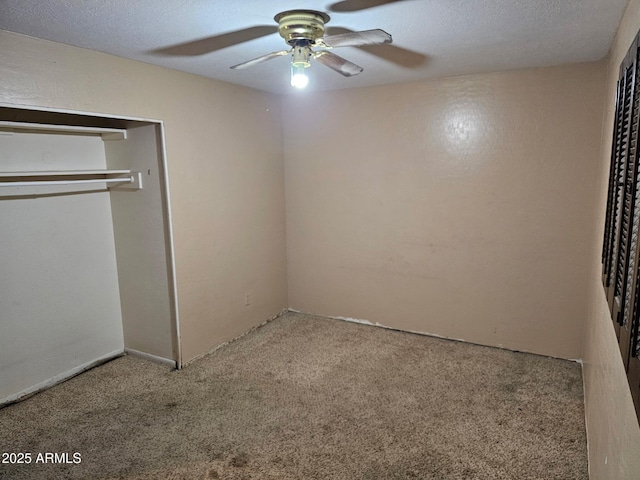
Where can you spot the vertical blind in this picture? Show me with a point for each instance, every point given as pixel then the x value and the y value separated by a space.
pixel 620 247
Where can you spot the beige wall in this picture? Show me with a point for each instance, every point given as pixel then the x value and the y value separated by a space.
pixel 613 432
pixel 225 168
pixel 460 207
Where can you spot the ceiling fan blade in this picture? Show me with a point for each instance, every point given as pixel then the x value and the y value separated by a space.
pixel 263 58
pixel 357 39
pixel 391 53
pixel 339 64
pixel 217 42
pixel 357 5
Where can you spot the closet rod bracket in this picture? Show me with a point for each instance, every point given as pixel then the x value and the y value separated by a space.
pixel 134 184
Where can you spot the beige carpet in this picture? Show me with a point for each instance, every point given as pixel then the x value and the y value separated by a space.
pixel 311 398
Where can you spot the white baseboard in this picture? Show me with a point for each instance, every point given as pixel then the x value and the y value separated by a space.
pixel 428 334
pixel 60 378
pixel 204 354
pixel 148 356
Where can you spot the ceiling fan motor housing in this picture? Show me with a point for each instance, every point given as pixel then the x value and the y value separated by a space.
pixel 295 25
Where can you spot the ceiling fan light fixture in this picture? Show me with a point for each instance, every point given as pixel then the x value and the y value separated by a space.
pixel 299 63
pixel 299 77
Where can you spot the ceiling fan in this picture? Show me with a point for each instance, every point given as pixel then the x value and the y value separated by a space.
pixel 304 30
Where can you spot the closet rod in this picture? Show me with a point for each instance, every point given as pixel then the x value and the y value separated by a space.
pixel 58 173
pixel 43 183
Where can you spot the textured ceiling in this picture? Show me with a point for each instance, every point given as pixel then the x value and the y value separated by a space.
pixel 431 38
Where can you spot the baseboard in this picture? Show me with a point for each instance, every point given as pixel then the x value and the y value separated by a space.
pixel 208 352
pixel 153 358
pixel 586 420
pixel 435 335
pixel 27 392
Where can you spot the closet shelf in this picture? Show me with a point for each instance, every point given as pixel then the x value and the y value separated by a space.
pixel 105 133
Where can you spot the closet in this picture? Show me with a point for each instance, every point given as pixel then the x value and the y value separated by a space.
pixel 86 251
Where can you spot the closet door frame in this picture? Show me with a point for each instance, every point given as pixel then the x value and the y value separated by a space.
pixel 36 114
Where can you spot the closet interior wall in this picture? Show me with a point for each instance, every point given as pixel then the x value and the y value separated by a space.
pixel 141 231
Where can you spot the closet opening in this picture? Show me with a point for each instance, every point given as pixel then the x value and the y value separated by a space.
pixel 86 246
